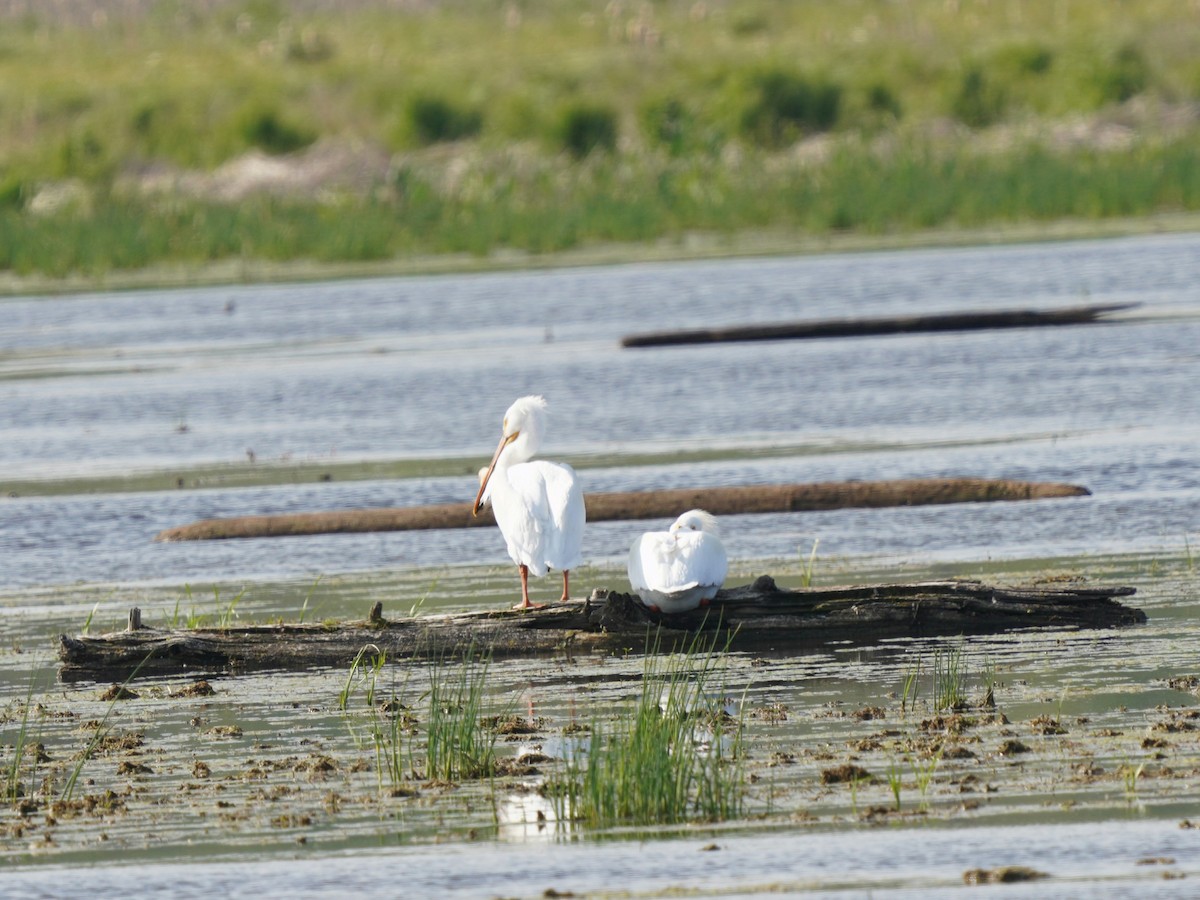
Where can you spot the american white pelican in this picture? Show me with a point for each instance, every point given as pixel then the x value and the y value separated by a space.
pixel 681 568
pixel 538 505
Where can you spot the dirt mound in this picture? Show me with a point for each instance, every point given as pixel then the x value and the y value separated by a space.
pixel 329 168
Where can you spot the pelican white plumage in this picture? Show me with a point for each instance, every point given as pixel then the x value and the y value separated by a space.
pixel 538 504
pixel 681 568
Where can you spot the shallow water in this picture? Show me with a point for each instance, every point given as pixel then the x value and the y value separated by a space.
pixel 423 368
pixel 1089 860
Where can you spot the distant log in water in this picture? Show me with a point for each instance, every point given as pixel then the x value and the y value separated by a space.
pixel 834 328
pixel 758 617
pixel 666 504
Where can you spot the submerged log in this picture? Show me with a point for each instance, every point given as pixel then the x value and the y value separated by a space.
pixel 758 617
pixel 666 504
pixel 835 328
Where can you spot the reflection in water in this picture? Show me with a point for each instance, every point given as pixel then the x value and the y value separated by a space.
pixel 526 816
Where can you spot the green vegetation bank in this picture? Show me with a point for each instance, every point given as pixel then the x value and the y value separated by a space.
pixel 151 134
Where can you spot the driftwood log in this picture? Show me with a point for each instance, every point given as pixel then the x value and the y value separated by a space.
pixel 758 617
pixel 834 328
pixel 666 504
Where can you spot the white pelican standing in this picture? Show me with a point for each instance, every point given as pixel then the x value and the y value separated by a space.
pixel 679 569
pixel 538 505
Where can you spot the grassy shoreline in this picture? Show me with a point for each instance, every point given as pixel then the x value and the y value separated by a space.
pixel 690 247
pixel 151 144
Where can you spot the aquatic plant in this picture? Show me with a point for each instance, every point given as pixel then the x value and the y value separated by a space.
pixel 308 596
pixel 390 723
pixel 98 735
pixel 420 601
pixel 672 756
pixel 363 672
pixel 911 688
pixel 987 677
pixel 87 623
pixel 923 771
pixel 390 726
pixel 948 679
pixel 806 574
pixel 193 619
pixel 457 745
pixel 1130 775
pixel 226 614
pixel 895 777
pixel 856 778
pixel 12 774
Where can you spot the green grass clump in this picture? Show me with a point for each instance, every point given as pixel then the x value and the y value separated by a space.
pixel 271 132
pixel 672 124
pixel 950 673
pixel 673 756
pixel 391 725
pixel 436 119
pixel 586 128
pixel 787 106
pixel 458 745
pixel 978 102
pixel 1126 75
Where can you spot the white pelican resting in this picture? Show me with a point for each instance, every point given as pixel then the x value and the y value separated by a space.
pixel 679 569
pixel 538 505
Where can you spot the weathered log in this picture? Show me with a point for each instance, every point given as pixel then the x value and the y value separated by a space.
pixel 834 328
pixel 759 617
pixel 665 504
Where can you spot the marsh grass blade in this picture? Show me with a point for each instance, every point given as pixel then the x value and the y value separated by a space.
pixel 806 575
pixel 1130 774
pixel 389 723
pixel 895 781
pixel 226 614
pixel 12 775
pixel 308 596
pixel 911 689
pixel 363 672
pixel 101 730
pixel 923 772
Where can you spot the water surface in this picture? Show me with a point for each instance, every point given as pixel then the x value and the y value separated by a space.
pixel 185 382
